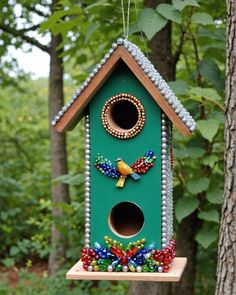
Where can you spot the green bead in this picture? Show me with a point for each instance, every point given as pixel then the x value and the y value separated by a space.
pixel 152 269
pixel 118 267
pixel 145 268
pixel 103 267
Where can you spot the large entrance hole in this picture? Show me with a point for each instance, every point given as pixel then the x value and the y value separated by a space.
pixel 126 219
pixel 124 114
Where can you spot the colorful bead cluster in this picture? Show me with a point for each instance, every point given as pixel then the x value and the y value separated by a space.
pixel 105 166
pixel 107 117
pixel 142 165
pixel 133 257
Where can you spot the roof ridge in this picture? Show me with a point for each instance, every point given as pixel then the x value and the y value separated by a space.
pixel 149 69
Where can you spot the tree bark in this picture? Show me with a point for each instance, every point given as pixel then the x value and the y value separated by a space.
pixel 60 192
pixel 160 45
pixel 164 61
pixel 226 269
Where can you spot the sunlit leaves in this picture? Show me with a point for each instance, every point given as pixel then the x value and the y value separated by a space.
pixel 198 93
pixel 169 12
pixel 206 236
pixel 184 207
pixel 179 87
pixel 210 215
pixel 215 196
pixel 181 4
pixel 211 72
pixel 196 185
pixel 202 18
pixel 151 22
pixel 208 128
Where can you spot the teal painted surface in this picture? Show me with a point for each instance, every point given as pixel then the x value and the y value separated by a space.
pixel 146 192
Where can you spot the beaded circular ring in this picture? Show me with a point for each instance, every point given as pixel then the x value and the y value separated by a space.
pixel 123 116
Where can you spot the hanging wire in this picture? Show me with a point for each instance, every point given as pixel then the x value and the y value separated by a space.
pixel 123 16
pixel 141 33
pixel 125 21
pixel 127 24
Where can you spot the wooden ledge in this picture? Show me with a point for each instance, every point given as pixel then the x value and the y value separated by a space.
pixel 174 275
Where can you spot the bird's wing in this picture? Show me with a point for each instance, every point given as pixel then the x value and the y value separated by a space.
pixel 143 164
pixel 105 166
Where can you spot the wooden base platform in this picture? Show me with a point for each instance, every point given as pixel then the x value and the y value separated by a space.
pixel 78 273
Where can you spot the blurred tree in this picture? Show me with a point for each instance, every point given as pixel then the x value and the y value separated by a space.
pixel 20 20
pixel 226 270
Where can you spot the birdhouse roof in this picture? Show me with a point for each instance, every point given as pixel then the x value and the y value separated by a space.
pixel 143 69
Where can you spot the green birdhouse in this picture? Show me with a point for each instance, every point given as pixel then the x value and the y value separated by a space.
pixel 129 111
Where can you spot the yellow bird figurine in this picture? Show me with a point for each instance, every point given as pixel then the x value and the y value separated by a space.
pixel 125 170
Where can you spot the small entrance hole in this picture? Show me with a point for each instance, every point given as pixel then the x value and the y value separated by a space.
pixel 126 219
pixel 124 114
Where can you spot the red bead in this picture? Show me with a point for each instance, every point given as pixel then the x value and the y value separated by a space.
pixel 166 268
pixel 124 260
pixel 118 252
pixel 129 253
pixel 84 251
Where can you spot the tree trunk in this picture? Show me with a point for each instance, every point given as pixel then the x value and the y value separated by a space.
pixel 60 192
pixel 226 270
pixel 160 45
pixel 162 58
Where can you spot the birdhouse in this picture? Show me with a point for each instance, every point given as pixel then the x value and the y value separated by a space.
pixel 129 111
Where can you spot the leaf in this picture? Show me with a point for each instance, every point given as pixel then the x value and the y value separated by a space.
pixel 14 251
pixel 179 86
pixel 211 72
pixel 206 237
pixel 184 207
pixel 196 186
pixel 189 152
pixel 91 29
pixel 97 3
pixel 170 12
pixel 197 93
pixel 181 4
pixel 202 18
pixel 211 215
pixel 151 22
pixel 210 160
pixel 208 128
pixel 69 179
pixel 215 196
pixel 8 262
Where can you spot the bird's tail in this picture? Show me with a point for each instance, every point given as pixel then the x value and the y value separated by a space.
pixel 135 176
pixel 121 182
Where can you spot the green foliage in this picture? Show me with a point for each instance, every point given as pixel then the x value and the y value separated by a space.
pixel 169 12
pixel 206 236
pixel 208 128
pixel 184 207
pixel 45 285
pixel 150 22
pixel 202 18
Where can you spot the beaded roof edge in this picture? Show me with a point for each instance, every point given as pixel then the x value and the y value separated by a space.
pixel 151 73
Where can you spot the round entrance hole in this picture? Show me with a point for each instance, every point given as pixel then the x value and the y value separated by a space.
pixel 124 114
pixel 126 219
